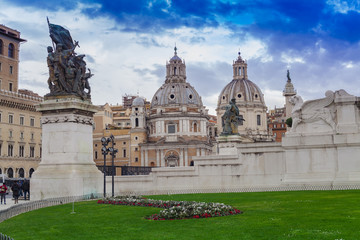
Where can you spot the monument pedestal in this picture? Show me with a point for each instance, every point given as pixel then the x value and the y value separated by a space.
pixel 67 167
pixel 228 143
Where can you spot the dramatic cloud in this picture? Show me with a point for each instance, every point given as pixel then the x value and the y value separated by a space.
pixel 127 44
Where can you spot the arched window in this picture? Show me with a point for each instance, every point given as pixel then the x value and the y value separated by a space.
pixel 195 127
pixel 31 172
pixel 21 173
pixel 11 50
pixel 136 122
pixel 239 71
pixel 192 163
pixel 0 171
pixel 174 70
pixel 10 173
pixel 1 46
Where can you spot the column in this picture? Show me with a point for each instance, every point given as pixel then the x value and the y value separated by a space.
pixel 162 158
pixel 146 158
pixel 142 158
pixel 157 157
pixel 181 163
pixel 186 158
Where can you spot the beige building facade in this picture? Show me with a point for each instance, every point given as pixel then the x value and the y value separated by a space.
pixel 20 127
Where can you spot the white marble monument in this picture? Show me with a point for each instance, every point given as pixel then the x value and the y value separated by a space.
pixel 67 167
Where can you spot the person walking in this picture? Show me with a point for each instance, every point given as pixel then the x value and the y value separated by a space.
pixel 3 190
pixel 15 188
pixel 26 189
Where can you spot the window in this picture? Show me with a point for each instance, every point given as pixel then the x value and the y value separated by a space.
pixel 32 136
pixel 274 134
pixel 10 150
pixel 258 118
pixel 96 155
pixel 21 135
pixel 136 149
pixel 274 125
pixel 40 151
pixel 21 173
pixel 10 173
pixel 21 120
pixel 124 143
pixel 124 152
pixel 0 66
pixel 11 70
pixel 136 159
pixel 21 151
pixel 32 151
pixel 0 116
pixel 10 134
pixel 11 118
pixel 1 47
pixel 32 122
pixel 0 148
pixel 11 50
pixel 195 127
pixel 171 128
pixel 136 122
pixel 31 172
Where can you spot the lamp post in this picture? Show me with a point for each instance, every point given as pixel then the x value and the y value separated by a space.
pixel 113 152
pixel 105 151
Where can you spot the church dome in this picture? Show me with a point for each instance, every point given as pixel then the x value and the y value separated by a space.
pixel 176 90
pixel 243 91
pixel 138 102
pixel 176 93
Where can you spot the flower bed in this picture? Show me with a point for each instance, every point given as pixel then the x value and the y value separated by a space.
pixel 175 209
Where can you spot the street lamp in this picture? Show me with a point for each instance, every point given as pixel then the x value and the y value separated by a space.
pixel 105 151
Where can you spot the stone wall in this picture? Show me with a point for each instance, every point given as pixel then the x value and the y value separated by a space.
pixel 321 152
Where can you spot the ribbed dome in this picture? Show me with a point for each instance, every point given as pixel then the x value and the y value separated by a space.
pixel 243 90
pixel 176 93
pixel 138 102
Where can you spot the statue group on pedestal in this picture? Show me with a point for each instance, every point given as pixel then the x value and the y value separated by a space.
pixel 231 119
pixel 67 70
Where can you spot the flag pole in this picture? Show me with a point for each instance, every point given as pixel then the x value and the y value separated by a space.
pixel 50 33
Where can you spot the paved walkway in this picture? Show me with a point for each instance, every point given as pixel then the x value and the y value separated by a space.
pixel 10 202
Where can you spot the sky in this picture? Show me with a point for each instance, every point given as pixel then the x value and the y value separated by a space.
pixel 128 42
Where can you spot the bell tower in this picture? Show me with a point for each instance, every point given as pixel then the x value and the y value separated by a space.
pixel 240 68
pixel 175 69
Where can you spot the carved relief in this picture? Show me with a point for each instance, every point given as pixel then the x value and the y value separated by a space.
pixel 67 118
pixel 312 111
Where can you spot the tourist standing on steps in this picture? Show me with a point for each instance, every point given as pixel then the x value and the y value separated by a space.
pixel 15 188
pixel 3 190
pixel 26 189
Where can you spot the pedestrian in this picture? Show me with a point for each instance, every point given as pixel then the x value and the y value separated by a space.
pixel 26 189
pixel 3 190
pixel 15 188
pixel 20 183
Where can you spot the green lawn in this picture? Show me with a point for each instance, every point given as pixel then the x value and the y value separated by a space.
pixel 271 215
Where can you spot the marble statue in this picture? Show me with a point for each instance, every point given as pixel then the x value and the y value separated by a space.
pixel 67 70
pixel 314 110
pixel 231 119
